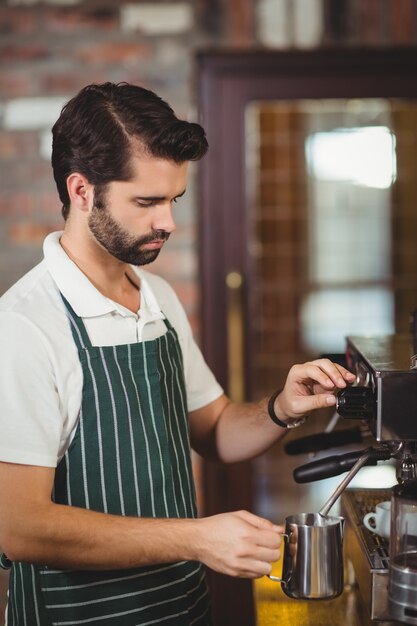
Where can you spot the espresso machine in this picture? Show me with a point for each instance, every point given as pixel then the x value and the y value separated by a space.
pixel 384 399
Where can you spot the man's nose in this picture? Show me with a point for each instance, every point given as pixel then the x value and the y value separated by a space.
pixel 164 220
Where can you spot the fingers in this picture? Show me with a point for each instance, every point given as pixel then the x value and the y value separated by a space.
pixel 258 522
pixel 310 386
pixel 257 562
pixel 263 545
pixel 322 371
pixel 255 569
pixel 338 375
pixel 302 405
pixel 239 544
pixel 265 534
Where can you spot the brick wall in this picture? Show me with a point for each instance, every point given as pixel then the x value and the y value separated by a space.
pixel 48 51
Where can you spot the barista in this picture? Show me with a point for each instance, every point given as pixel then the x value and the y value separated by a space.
pixel 104 392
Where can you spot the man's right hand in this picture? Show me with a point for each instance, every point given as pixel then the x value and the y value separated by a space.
pixel 238 544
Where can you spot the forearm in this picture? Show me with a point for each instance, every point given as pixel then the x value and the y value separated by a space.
pixel 245 430
pixel 64 537
pixel 68 537
pixel 34 529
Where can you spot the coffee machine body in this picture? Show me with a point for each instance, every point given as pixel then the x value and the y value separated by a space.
pixel 386 374
pixel 385 396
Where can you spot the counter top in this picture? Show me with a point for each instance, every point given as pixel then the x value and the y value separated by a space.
pixel 274 608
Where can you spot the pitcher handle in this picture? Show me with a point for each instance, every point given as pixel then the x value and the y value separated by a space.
pixel 277 579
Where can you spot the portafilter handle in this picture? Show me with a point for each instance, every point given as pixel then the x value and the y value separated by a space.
pixel 337 464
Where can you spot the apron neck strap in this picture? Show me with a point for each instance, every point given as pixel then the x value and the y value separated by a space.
pixel 79 333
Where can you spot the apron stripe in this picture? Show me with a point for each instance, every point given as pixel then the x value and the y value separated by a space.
pixel 117 615
pixel 110 581
pixel 200 597
pixel 152 415
pixel 143 437
pixel 203 618
pixel 68 482
pixel 83 463
pixel 116 434
pixel 181 437
pixel 114 598
pixel 169 427
pixel 38 623
pixel 132 439
pixel 13 599
pixel 99 433
pixel 77 331
pixel 23 595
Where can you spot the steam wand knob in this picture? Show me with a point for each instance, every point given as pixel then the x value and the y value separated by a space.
pixel 356 403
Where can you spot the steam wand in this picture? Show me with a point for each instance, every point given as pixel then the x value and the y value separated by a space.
pixel 369 452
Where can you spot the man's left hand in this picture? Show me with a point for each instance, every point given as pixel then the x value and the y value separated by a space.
pixel 311 386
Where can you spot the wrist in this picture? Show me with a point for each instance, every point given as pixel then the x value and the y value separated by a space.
pixel 280 420
pixel 272 412
pixel 195 539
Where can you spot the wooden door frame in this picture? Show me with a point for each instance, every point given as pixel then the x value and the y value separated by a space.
pixel 228 80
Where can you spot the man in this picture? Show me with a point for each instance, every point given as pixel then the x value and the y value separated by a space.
pixel 104 391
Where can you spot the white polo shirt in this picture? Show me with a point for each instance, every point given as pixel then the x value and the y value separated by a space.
pixel 41 377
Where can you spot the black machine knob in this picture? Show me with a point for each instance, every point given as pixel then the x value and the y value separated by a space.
pixel 356 403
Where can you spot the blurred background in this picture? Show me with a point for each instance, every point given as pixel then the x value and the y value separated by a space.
pixel 50 49
pixel 329 182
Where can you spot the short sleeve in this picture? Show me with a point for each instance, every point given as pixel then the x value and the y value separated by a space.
pixel 30 420
pixel 202 386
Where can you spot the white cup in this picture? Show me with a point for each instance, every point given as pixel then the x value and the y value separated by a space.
pixel 379 521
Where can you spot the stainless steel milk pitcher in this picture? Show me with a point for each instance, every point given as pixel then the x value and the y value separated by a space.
pixel 313 552
pixel 313 557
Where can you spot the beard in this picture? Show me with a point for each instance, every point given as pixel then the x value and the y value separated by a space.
pixel 119 242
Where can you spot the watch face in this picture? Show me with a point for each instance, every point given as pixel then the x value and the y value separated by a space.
pixel 296 423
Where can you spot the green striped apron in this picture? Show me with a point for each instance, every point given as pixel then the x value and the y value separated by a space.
pixel 130 456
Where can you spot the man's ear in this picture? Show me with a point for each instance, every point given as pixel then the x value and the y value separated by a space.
pixel 80 191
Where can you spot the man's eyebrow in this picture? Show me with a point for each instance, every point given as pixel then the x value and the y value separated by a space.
pixel 156 198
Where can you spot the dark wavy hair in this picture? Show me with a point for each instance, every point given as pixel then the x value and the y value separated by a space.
pixel 100 128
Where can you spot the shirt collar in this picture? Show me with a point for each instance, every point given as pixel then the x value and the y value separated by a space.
pixel 83 297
